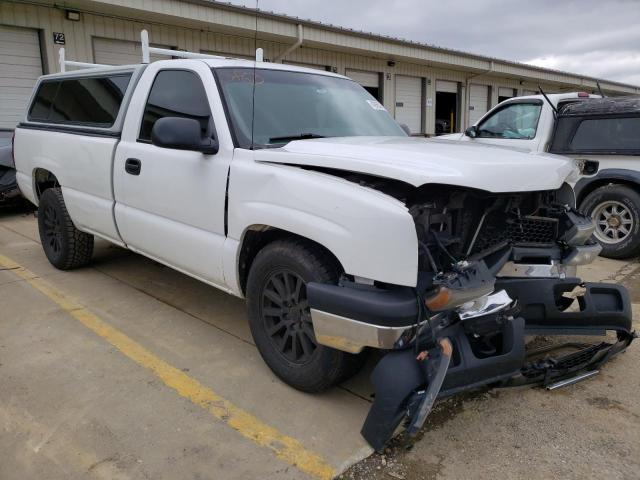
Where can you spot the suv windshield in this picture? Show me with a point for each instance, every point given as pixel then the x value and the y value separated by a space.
pixel 297 106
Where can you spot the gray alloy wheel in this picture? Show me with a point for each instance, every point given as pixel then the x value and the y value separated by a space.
pixel 614 222
pixel 615 210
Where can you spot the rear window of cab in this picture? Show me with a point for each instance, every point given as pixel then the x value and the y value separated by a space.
pixel 91 101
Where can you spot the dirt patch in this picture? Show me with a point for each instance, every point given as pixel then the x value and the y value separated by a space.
pixel 605 403
pixel 393 462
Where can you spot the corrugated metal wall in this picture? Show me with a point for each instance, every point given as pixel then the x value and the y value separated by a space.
pixel 79 45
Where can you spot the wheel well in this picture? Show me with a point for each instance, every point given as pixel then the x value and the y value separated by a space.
pixel 42 180
pixel 601 183
pixel 258 237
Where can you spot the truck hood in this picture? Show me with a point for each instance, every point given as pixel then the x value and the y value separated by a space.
pixel 420 161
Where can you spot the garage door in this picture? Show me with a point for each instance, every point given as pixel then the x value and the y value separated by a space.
pixel 506 92
pixel 409 102
pixel 366 79
pixel 446 86
pixel 20 66
pixel 478 102
pixel 110 51
pixel 369 80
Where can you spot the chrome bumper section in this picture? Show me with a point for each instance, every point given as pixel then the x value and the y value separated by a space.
pixel 352 336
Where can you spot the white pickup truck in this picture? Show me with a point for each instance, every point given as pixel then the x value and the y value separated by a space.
pixel 297 190
pixel 603 134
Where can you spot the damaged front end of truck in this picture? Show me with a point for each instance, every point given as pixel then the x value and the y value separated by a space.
pixel 493 267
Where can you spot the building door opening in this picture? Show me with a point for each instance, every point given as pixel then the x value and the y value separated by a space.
pixel 374 91
pixel 447 106
pixel 505 94
pixel 370 81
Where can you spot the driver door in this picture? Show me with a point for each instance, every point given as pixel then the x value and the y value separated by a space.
pixel 170 202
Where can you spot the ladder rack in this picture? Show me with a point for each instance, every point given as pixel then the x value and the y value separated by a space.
pixel 147 50
pixel 64 63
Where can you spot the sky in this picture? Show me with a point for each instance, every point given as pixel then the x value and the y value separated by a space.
pixel 599 38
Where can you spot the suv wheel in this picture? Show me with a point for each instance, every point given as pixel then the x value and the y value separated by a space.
pixel 280 318
pixel 615 210
pixel 65 246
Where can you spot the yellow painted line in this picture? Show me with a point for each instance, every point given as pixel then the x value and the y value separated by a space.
pixel 286 448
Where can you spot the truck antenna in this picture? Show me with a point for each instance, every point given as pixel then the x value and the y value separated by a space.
pixel 555 110
pixel 255 66
pixel 600 90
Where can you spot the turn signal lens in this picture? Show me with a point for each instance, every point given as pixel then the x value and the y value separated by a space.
pixel 439 301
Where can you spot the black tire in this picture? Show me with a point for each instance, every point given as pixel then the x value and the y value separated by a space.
pixel 65 246
pixel 625 203
pixel 291 351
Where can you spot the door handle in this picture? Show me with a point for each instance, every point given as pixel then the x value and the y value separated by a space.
pixel 133 166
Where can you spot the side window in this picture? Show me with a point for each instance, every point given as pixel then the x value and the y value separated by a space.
pixel 93 101
pixel 515 121
pixel 176 93
pixel 607 134
pixel 41 106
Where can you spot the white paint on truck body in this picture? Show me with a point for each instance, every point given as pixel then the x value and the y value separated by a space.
pixel 174 211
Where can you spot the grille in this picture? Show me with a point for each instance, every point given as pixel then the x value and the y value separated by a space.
pixel 523 231
pixel 581 357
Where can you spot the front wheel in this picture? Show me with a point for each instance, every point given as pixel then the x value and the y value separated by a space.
pixel 615 209
pixel 280 318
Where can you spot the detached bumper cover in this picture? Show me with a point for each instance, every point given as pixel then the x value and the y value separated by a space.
pixel 544 304
pixel 400 380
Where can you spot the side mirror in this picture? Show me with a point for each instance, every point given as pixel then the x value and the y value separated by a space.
pixel 406 128
pixel 182 134
pixel 471 132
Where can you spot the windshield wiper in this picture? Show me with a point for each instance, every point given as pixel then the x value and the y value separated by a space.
pixel 299 136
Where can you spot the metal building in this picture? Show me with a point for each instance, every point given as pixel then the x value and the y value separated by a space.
pixel 430 89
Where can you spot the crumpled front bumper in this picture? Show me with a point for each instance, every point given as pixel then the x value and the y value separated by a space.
pixel 401 382
pixel 351 318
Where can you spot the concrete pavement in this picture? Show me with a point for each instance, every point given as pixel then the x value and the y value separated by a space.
pixel 78 400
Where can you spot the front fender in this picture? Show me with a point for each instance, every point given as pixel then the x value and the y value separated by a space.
pixel 371 234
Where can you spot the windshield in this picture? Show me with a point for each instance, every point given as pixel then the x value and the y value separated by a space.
pixel 295 105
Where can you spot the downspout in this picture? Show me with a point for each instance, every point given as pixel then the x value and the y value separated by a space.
pixel 468 94
pixel 293 47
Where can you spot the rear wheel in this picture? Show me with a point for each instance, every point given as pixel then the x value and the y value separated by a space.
pixel 615 209
pixel 280 318
pixel 65 246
